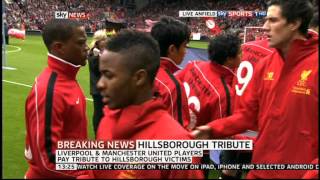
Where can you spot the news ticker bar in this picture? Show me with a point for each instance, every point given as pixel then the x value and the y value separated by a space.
pixel 187 167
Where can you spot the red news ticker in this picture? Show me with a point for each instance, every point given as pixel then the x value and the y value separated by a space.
pixel 89 144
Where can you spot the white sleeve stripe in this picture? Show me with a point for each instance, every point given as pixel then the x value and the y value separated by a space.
pixel 169 94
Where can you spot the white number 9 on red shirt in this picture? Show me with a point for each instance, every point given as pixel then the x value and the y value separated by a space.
pixel 245 66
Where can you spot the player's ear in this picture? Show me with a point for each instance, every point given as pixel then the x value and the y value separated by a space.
pixel 57 47
pixel 295 25
pixel 140 77
pixel 171 50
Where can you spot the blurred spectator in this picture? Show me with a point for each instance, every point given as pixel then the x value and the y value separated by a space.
pixel 96 46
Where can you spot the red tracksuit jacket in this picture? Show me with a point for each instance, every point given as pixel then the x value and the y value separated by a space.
pixel 284 101
pixel 252 52
pixel 171 91
pixel 149 120
pixel 55 110
pixel 208 87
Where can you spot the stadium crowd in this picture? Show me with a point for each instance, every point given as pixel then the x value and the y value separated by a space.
pixel 34 14
pixel 171 8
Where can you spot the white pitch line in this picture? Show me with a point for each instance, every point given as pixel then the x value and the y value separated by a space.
pixel 16 50
pixel 26 85
pixel 8 68
pixel 20 84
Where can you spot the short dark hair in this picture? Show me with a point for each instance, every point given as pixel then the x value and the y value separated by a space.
pixel 170 31
pixel 294 10
pixel 223 46
pixel 58 30
pixel 142 51
pixel 315 20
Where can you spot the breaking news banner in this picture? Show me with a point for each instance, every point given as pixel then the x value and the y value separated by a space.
pixel 152 155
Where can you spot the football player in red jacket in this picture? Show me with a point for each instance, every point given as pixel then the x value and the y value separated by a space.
pixel 252 52
pixel 283 98
pixel 128 67
pixel 172 36
pixel 56 106
pixel 208 83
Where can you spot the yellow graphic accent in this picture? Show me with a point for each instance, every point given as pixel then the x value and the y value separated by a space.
pixel 303 78
pixel 304 75
pixel 301 86
pixel 301 90
pixel 308 92
pixel 269 76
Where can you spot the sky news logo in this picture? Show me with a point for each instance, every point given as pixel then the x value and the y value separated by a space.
pixel 70 15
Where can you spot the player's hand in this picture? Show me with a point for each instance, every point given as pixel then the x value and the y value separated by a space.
pixel 202 132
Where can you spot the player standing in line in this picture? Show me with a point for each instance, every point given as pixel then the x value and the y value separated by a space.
pixel 128 68
pixel 209 84
pixel 172 36
pixel 252 53
pixel 56 107
pixel 283 96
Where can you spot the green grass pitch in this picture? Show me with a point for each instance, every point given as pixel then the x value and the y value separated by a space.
pixel 29 62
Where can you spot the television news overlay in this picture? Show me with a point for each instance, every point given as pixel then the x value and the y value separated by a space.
pixel 222 13
pixel 71 15
pixel 153 155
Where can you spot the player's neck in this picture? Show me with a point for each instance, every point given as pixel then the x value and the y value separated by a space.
pixel 285 49
pixel 143 96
